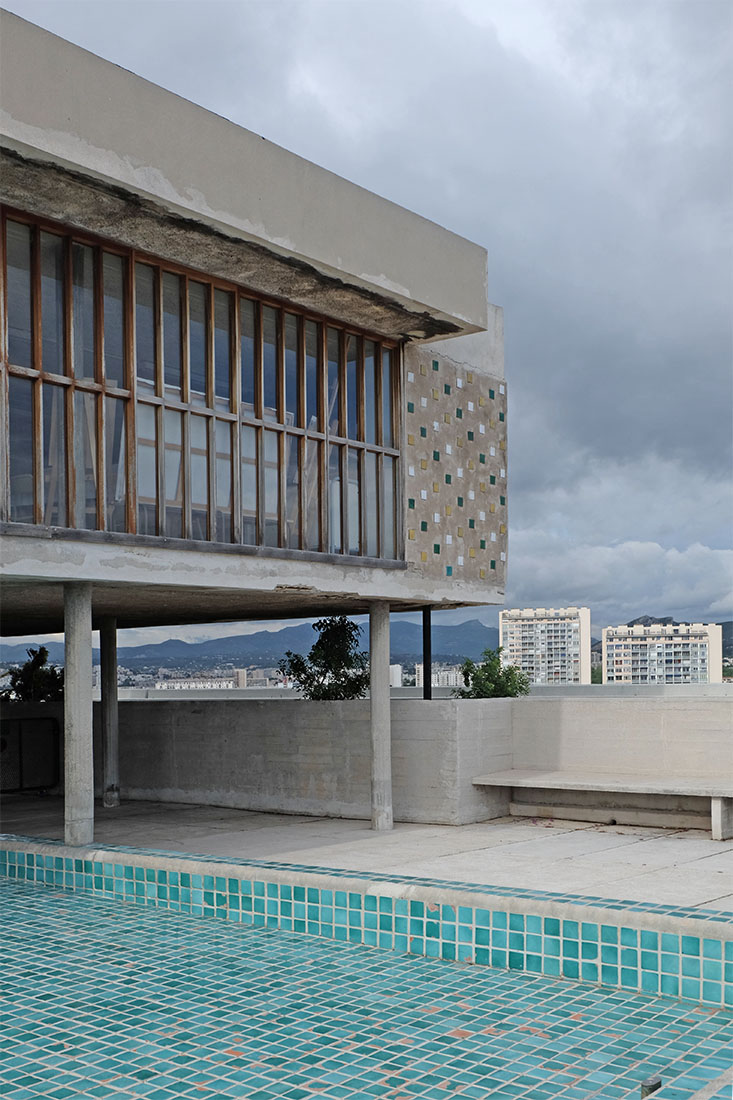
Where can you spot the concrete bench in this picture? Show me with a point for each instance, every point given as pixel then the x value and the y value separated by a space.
pixel 719 794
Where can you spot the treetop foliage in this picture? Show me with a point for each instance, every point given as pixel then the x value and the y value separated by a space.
pixel 334 668
pixel 34 681
pixel 490 679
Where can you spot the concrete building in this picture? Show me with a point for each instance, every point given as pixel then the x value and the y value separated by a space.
pixel 235 386
pixel 449 677
pixel 688 653
pixel 552 645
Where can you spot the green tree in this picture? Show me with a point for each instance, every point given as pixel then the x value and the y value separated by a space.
pixel 490 679
pixel 596 675
pixel 35 681
pixel 334 668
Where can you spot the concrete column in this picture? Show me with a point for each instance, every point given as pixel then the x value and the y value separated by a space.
pixel 78 748
pixel 427 654
pixel 110 718
pixel 381 724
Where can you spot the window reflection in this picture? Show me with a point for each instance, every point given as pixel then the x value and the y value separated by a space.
pixel 145 327
pixel 335 541
pixel 52 303
pixel 147 475
pixel 292 380
pixel 82 330
pixel 249 485
pixel 199 477
pixel 173 473
pixel 21 450
pixel 197 327
pixel 269 363
pixel 172 348
pixel 115 449
pixel 54 456
pixel 18 251
pixel 223 437
pixel 272 489
pixel 85 459
pixel 292 492
pixel 113 278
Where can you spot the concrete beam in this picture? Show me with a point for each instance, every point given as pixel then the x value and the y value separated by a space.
pixel 721 810
pixel 381 726
pixel 110 713
pixel 78 746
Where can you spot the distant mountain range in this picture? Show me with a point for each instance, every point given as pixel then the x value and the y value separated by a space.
pixel 265 648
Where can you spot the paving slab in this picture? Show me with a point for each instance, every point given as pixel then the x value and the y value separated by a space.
pixel 672 866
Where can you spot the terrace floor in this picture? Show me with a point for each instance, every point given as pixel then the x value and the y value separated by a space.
pixel 673 867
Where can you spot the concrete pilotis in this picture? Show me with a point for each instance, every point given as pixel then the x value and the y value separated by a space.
pixel 110 715
pixel 78 749
pixel 381 727
pixel 721 810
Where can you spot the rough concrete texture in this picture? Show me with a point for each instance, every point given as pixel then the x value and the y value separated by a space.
pixel 54 99
pixel 622 862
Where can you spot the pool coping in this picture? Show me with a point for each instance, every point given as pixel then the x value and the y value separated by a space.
pixel 680 952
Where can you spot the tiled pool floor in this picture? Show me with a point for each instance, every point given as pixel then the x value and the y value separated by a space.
pixel 105 999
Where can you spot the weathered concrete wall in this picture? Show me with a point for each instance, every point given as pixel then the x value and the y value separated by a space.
pixel 663 737
pixel 293 756
pixel 63 105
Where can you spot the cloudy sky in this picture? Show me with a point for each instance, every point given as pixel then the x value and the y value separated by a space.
pixel 587 145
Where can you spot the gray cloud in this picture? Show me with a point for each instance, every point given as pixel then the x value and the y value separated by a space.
pixel 588 146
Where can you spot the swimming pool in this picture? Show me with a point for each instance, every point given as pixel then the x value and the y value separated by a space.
pixel 114 1000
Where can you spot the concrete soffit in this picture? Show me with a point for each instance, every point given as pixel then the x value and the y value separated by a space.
pixel 109 210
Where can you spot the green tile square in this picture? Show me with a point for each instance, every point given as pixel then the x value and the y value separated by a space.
pixel 447 479
pixel 492 479
pixel 492 564
pixel 436 456
pixel 410 502
pixel 459 502
pixel 436 364
pixel 436 547
pixel 491 394
pixel 410 407
pixel 423 525
pixel 472 524
pixel 459 414
pixel 501 416
pixel 446 388
pixel 423 432
pixel 482 458
pixel 470 436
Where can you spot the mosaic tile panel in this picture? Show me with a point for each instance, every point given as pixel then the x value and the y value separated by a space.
pixel 692 960
pixel 112 1001
pixel 455 470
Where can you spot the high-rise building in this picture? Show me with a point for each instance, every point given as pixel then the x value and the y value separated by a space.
pixel 663 653
pixel 550 644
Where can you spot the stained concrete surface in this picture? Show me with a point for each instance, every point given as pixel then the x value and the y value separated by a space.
pixel 682 867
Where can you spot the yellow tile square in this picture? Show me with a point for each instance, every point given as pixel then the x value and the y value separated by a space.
pixel 482 402
pixel 411 533
pixel 423 556
pixel 411 439
pixel 423 463
pixel 482 574
pixel 502 444
pixel 436 395
pixel 436 487
pixel 423 372
pixel 492 507
pixel 482 486
pixel 472 553
pixel 502 529
pixel 471 464
pixel 446 418
pixel 469 376
pixel 460 532
pixel 448 510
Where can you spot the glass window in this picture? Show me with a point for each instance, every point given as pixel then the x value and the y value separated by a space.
pixel 173 471
pixel 335 541
pixel 115 465
pixel 54 456
pixel 20 350
pixel 222 348
pixel 21 450
pixel 387 382
pixel 371 534
pixel 334 414
pixel 272 489
pixel 198 312
pixel 223 481
pixel 311 493
pixel 82 317
pixel 353 502
pixel 352 388
pixel 370 392
pixel 249 485
pixel 172 345
pixel 388 507
pixel 85 460
pixel 269 363
pixel 247 338
pixel 145 327
pixel 113 280
pixel 52 303
pixel 292 380
pixel 292 492
pixel 199 477
pixel 147 473
pixel 311 375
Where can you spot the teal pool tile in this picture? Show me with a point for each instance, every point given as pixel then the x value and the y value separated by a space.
pixel 690 945
pixel 553 946
pixel 609 934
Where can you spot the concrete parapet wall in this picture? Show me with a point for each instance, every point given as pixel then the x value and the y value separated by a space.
pixel 293 756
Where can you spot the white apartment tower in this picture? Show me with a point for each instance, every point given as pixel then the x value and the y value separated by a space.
pixel 550 644
pixel 686 653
